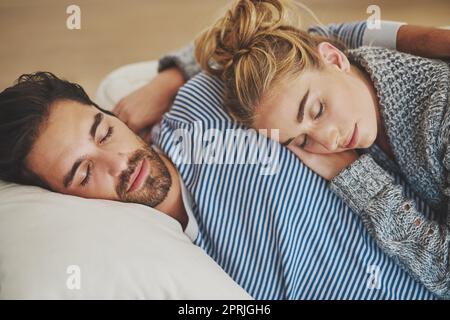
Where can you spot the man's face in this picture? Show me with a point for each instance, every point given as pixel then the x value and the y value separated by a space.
pixel 84 152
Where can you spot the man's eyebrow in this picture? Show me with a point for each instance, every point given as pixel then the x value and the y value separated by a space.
pixel 97 120
pixel 301 109
pixel 68 178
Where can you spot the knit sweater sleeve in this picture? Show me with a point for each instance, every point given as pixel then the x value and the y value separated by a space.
pixel 417 243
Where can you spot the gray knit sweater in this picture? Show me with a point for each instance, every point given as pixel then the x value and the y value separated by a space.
pixel 413 95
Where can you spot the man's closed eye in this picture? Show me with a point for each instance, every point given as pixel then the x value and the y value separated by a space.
pixel 108 135
pixel 87 176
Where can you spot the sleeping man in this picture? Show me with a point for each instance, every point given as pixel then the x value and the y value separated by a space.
pixel 277 238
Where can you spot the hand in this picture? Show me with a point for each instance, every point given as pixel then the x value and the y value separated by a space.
pixel 145 107
pixel 424 41
pixel 326 165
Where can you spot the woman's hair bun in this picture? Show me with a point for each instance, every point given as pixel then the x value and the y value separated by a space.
pixel 254 45
pixel 233 36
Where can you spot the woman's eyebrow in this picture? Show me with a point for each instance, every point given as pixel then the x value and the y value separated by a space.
pixel 301 109
pixel 301 112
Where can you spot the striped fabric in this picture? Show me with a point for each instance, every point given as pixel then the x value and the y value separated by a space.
pixel 351 33
pixel 282 235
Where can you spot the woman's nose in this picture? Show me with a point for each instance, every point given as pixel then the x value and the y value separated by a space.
pixel 328 138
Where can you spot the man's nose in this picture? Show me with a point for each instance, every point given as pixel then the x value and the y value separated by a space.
pixel 115 163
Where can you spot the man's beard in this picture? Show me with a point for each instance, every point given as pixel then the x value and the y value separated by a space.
pixel 157 184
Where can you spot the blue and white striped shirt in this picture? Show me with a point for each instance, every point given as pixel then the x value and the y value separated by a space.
pixel 282 235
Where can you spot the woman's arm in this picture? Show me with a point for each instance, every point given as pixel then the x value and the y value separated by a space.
pixel 394 221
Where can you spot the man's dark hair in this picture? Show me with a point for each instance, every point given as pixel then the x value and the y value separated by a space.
pixel 24 107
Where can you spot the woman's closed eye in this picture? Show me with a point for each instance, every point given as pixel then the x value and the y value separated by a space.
pixel 317 116
pixel 304 141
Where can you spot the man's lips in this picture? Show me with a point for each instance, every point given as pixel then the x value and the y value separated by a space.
pixel 351 141
pixel 138 176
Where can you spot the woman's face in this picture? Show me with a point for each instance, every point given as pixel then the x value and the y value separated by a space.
pixel 322 111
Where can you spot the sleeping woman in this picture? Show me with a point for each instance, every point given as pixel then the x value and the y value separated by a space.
pixel 354 117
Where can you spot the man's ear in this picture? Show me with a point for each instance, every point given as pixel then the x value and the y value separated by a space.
pixel 333 56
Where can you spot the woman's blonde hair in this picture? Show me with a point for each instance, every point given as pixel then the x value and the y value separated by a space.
pixel 254 46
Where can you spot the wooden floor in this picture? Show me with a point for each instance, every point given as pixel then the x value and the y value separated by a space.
pixel 34 35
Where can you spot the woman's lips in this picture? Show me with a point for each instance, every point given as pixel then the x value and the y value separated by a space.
pixel 139 176
pixel 353 138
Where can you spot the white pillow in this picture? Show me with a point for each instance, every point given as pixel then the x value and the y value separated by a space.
pixel 124 80
pixel 51 244
pixel 121 250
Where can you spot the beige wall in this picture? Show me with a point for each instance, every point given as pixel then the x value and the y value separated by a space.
pixel 34 34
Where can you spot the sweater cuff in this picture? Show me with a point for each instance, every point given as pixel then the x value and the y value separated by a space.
pixel 358 184
pixel 385 36
pixel 183 59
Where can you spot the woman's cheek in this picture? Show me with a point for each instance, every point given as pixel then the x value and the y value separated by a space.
pixel 315 147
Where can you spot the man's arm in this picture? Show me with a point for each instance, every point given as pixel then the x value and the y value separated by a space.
pixel 182 59
pixel 144 107
pixel 424 41
pixel 427 42
pixel 357 34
